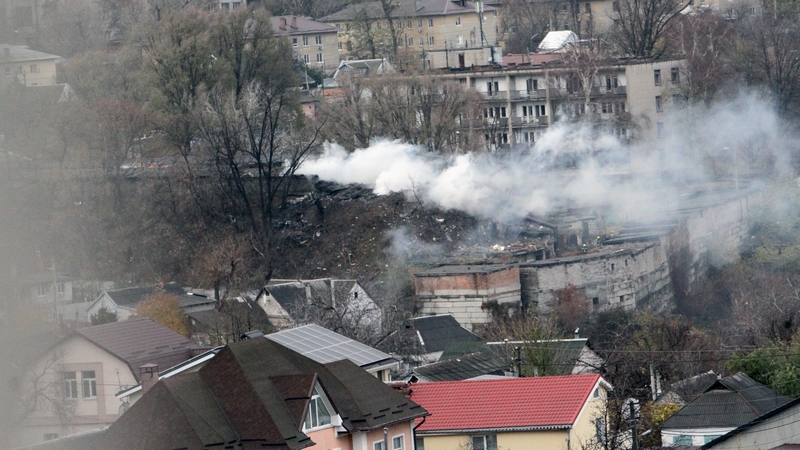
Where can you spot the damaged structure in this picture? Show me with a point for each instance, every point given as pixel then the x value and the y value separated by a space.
pixel 639 266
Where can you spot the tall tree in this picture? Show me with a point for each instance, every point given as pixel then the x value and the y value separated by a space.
pixel 640 25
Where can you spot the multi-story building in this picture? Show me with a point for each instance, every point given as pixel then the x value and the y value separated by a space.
pixel 28 67
pixel 529 93
pixel 441 33
pixel 314 43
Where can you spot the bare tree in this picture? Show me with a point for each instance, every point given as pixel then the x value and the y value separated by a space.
pixel 640 25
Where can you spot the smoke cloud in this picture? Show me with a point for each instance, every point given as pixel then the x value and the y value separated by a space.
pixel 571 164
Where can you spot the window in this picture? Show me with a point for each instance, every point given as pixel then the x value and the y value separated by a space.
pixel 675 75
pixel 430 40
pixel 41 290
pixel 659 106
pixel 540 111
pixel 398 442
pixel 600 429
pixel 294 42
pixel 657 77
pixel 611 82
pixel 612 264
pixel 339 45
pixel 305 41
pixel 33 68
pixel 408 24
pixel 588 8
pixel 620 107
pixel 317 414
pixel 607 108
pixel 421 42
pixel 659 128
pixel 419 443
pixel 596 393
pixel 430 23
pixel 399 24
pixel 318 40
pixel 621 298
pixel 319 58
pixel 60 287
pixel 682 440
pixel 595 301
pixel 410 42
pixel 419 23
pixel 69 384
pixel 615 6
pixel 488 442
pixel 460 39
pixel 458 20
pixel 349 46
pixel 89 384
pixel 307 60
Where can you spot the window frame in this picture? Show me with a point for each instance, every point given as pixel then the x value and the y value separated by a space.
pixel 657 77
pixel 69 385
pixel 458 21
pixel 486 438
pixel 88 383
pixel 659 104
pixel 402 438
pixel 318 400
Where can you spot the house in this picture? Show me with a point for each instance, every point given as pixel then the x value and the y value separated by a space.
pixel 325 346
pixel 314 43
pixel 684 391
pixel 440 33
pixel 38 287
pixel 724 406
pixel 558 356
pixel 332 87
pixel 776 430
pixel 312 341
pixel 299 302
pixel 124 301
pixel 226 323
pixel 556 41
pixel 434 333
pixel 541 413
pixel 72 383
pixel 28 67
pixel 257 393
pixel 468 292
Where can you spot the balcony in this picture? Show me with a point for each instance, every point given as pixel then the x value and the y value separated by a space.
pixel 529 121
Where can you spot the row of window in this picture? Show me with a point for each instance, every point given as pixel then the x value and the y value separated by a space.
pixel 398 443
pixel 398 24
pixel 317 41
pixel 69 384
pixel 307 59
pixel 675 76
pixel 18 70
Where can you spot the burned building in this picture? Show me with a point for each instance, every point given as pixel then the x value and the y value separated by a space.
pixel 467 292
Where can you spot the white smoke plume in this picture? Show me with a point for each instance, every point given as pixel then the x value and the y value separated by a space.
pixel 509 184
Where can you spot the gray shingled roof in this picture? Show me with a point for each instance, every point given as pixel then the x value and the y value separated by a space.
pixel 463 367
pixel 141 341
pixel 131 296
pixel 404 8
pixel 730 402
pixel 253 394
pixel 436 332
pixel 304 25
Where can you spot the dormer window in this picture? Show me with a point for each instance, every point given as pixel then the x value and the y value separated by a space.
pixel 318 414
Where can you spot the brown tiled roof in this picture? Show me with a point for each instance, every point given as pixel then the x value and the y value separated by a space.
pixel 141 341
pixel 253 395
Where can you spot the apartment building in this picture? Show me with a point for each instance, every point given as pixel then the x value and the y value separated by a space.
pixel 442 33
pixel 28 67
pixel 529 93
pixel 314 43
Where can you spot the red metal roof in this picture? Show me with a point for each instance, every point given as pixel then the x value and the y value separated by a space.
pixel 503 403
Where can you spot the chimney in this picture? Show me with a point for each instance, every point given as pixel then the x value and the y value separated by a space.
pixel 148 374
pixel 283 23
pixel 294 22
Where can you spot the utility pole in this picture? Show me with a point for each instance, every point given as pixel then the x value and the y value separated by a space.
pixel 519 361
pixel 634 436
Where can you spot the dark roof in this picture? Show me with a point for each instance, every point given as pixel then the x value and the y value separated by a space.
pixel 436 332
pixel 456 349
pixel 755 422
pixel 463 368
pixel 729 402
pixel 141 341
pixel 403 9
pixel 464 269
pixel 304 25
pixel 130 297
pixel 324 346
pixel 689 388
pixel 80 441
pixel 253 393
pixel 326 291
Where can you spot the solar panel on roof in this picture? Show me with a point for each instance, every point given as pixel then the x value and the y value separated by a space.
pixel 325 346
